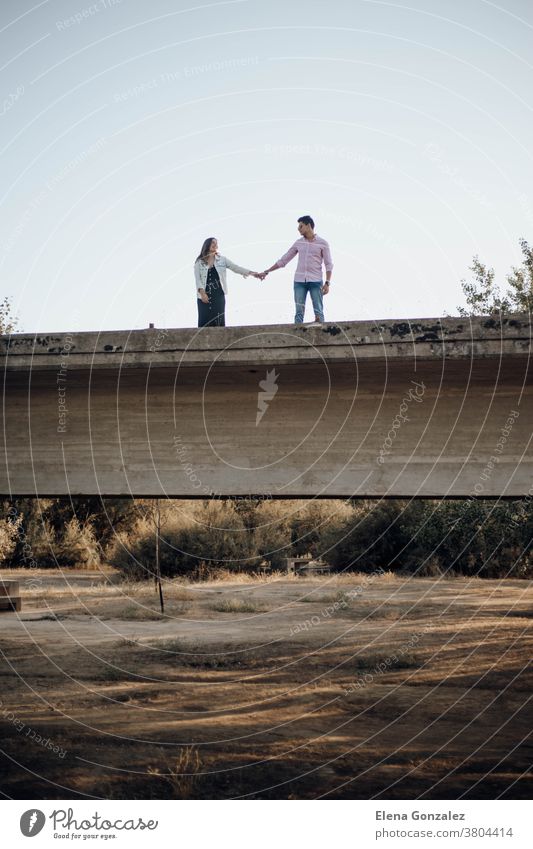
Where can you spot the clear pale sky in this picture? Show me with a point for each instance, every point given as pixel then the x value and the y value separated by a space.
pixel 131 131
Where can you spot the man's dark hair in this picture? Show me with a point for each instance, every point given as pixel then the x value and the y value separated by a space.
pixel 306 219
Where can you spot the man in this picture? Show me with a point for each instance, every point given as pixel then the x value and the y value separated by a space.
pixel 312 252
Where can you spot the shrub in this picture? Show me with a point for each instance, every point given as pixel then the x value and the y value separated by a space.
pixel 216 536
pixel 9 530
pixel 372 538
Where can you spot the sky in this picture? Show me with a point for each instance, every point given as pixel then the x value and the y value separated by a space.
pixel 131 131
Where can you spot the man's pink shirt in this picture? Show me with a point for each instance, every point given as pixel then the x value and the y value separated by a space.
pixel 311 255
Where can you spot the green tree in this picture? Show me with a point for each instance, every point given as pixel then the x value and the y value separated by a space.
pixel 374 537
pixel 484 296
pixel 8 321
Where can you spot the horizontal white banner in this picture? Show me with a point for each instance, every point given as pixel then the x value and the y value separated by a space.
pixel 261 824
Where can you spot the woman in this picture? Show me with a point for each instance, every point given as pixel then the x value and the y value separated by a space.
pixel 210 281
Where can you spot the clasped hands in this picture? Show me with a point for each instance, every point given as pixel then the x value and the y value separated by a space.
pixel 259 274
pixel 262 274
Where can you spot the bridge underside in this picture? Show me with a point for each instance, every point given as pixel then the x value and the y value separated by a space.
pixel 198 415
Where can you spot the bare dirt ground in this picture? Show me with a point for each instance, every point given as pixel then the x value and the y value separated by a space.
pixel 347 687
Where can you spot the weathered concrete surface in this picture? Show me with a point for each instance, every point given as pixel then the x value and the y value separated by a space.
pixel 10 596
pixel 427 407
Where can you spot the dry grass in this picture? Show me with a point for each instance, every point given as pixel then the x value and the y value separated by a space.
pixel 195 656
pixel 370 611
pixel 127 643
pixel 127 600
pixel 177 592
pixel 219 706
pixel 227 577
pixel 395 611
pixel 108 585
pixel 50 617
pixel 366 578
pixel 340 597
pixel 138 614
pixel 181 775
pixel 386 662
pixel 238 605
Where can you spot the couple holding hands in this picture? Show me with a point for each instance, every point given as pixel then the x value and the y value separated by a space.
pixel 312 251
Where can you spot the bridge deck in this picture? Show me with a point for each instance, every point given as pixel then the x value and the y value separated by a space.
pixel 426 407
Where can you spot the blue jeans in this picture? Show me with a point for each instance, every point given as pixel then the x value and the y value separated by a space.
pixel 300 294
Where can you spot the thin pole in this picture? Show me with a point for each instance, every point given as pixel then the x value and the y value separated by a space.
pixel 157 562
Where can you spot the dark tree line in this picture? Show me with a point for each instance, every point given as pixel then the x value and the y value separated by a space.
pixel 420 537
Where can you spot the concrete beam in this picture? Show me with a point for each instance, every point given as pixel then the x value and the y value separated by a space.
pixel 426 407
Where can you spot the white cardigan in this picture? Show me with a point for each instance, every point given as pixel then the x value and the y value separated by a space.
pixel 221 263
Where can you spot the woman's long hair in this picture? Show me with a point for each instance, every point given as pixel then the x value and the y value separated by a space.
pixel 204 253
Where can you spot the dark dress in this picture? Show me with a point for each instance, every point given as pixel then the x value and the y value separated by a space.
pixel 212 314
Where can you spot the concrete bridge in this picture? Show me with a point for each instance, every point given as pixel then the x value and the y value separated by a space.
pixel 420 407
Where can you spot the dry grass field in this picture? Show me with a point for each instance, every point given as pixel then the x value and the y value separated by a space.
pixel 346 687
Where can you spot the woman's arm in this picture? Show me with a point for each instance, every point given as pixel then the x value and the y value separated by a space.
pixel 198 284
pixel 238 269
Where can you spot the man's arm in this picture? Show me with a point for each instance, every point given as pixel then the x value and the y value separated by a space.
pixel 328 265
pixel 282 262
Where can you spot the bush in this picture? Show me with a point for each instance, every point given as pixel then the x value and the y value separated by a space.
pixel 433 538
pixel 216 536
pixel 9 529
pixel 476 538
pixel 373 537
pixel 57 532
pixel 313 521
pixel 423 537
